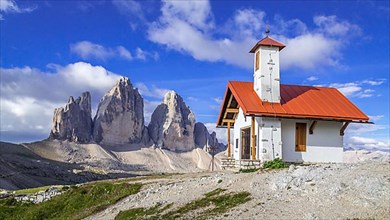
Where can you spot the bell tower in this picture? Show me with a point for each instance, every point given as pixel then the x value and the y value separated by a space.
pixel 266 69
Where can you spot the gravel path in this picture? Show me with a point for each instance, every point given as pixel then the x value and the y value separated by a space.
pixel 322 191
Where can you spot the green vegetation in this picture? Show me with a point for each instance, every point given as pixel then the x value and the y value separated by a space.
pixel 219 181
pixel 32 190
pixel 215 192
pixel 213 203
pixel 141 213
pixel 275 164
pixel 76 203
pixel 249 170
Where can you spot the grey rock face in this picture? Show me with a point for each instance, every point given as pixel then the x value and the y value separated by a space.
pixel 172 124
pixel 73 122
pixel 207 141
pixel 120 115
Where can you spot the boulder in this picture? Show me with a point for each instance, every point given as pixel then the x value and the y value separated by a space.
pixel 120 115
pixel 172 124
pixel 73 122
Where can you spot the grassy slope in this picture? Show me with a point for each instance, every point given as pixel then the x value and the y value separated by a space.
pixel 76 203
pixel 213 203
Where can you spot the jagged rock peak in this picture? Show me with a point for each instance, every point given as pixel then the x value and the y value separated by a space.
pixel 73 122
pixel 120 115
pixel 172 124
pixel 207 141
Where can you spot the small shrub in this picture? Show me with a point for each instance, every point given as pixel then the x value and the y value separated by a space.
pixel 275 164
pixel 219 181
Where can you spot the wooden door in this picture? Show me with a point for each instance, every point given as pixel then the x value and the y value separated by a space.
pixel 245 143
pixel 300 137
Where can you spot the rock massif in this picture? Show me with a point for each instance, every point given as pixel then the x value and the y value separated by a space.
pixel 119 120
pixel 120 115
pixel 172 124
pixel 73 122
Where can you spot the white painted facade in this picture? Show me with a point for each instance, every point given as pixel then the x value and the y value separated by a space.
pixel 324 145
pixel 275 138
pixel 268 137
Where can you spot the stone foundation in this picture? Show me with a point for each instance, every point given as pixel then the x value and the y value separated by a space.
pixel 232 164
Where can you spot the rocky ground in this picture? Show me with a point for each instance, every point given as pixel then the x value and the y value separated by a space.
pixel 322 191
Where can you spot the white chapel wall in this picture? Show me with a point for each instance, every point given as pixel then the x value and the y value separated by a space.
pixel 240 123
pixel 324 145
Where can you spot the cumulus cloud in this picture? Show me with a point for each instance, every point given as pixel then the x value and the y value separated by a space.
pixel 190 29
pixel 10 6
pixel 356 135
pixel 29 96
pixel 356 142
pixel 310 50
pixel 358 89
pixel 88 50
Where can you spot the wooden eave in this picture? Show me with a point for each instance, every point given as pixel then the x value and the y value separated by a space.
pixel 229 110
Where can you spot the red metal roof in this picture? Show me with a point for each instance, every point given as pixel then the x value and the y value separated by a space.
pixel 297 102
pixel 267 41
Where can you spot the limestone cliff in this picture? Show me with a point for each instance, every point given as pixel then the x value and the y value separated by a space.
pixel 172 124
pixel 120 115
pixel 73 122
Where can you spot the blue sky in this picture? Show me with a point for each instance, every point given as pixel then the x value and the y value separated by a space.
pixel 53 49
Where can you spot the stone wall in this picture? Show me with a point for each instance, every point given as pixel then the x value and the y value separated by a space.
pixel 39 196
pixel 232 164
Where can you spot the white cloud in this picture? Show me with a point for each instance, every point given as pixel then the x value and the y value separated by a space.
pixel 331 25
pixel 356 135
pixel 123 52
pixel 140 54
pixel 190 29
pixel 358 89
pixel 153 91
pixel 310 50
pixel 357 142
pixel 358 129
pixel 88 50
pixel 375 118
pixel 312 78
pixel 375 82
pixel 29 96
pixel 10 6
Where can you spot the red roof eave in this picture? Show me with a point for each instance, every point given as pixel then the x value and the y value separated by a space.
pixel 300 102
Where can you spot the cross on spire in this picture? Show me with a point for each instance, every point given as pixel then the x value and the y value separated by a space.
pixel 267 30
